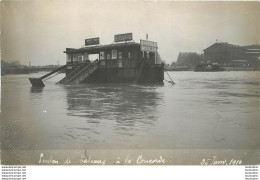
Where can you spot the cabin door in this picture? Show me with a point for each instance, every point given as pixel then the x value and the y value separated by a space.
pixel 120 64
pixel 120 59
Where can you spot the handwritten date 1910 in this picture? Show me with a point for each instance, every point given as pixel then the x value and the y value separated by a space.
pixel 215 161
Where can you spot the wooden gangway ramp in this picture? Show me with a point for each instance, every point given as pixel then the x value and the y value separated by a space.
pixel 80 74
pixel 37 82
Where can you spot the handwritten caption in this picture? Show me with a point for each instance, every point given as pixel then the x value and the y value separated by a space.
pixel 89 160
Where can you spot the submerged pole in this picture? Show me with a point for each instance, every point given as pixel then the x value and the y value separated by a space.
pixel 169 77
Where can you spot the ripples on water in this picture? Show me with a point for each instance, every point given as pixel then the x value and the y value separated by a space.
pixel 203 110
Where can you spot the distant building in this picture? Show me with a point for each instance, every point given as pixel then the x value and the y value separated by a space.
pixel 252 54
pixel 224 53
pixel 229 54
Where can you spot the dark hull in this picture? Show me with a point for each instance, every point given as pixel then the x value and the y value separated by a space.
pixel 149 74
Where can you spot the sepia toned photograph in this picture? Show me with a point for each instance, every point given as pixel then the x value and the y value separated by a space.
pixel 130 83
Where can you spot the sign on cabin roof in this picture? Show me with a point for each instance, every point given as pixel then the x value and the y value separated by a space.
pixel 123 37
pixel 92 41
pixel 148 46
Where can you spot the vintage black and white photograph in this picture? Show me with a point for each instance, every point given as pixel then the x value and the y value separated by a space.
pixel 130 83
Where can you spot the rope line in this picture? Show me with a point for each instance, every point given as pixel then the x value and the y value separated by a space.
pixel 169 77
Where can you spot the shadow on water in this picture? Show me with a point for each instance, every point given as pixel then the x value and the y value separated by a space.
pixel 121 103
pixel 36 89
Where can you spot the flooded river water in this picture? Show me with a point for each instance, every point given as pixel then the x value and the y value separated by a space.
pixel 202 110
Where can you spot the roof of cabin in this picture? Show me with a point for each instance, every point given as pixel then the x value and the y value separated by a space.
pixel 102 47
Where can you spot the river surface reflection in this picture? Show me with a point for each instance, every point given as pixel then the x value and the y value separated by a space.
pixel 203 110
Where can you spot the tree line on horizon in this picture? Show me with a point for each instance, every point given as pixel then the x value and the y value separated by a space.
pixel 189 59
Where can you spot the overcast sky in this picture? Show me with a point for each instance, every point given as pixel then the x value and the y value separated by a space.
pixel 40 31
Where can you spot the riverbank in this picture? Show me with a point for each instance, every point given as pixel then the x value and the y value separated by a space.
pixel 225 69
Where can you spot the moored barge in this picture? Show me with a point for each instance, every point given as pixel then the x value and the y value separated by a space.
pixel 214 67
pixel 122 61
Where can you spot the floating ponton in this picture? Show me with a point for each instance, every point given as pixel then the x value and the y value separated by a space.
pixel 122 61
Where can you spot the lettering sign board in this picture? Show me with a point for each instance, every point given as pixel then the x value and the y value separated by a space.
pixel 123 37
pixel 148 46
pixel 92 41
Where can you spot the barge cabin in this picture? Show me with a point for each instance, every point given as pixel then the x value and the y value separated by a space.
pixel 122 61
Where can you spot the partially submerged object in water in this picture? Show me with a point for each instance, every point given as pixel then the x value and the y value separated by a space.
pixel 214 67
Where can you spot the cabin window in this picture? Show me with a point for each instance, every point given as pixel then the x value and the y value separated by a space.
pixel 114 54
pixel 120 54
pixel 108 56
pixel 85 56
pixel 74 57
pixel 80 57
pixel 68 57
pixel 102 55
